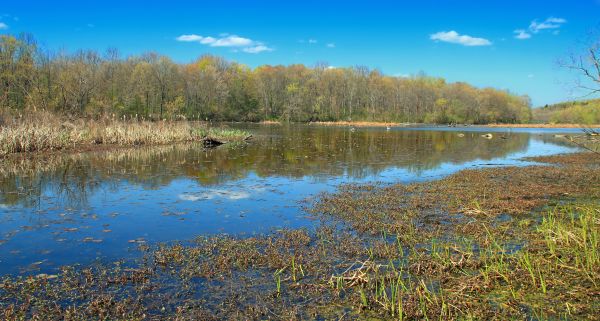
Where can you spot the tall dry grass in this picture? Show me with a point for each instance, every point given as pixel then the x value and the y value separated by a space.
pixel 44 131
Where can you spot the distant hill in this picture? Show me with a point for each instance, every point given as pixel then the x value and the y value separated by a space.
pixel 571 112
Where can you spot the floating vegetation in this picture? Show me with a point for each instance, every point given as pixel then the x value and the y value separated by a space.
pixel 480 244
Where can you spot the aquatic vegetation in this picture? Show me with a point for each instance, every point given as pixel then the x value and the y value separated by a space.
pixel 222 134
pixel 539 262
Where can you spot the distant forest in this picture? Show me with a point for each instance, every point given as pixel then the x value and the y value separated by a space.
pixel 152 86
pixel 572 112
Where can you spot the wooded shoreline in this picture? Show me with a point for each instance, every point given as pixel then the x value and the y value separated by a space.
pixel 394 124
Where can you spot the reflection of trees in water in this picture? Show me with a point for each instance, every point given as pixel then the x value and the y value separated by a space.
pixel 294 151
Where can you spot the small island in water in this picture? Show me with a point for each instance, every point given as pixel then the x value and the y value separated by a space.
pixel 234 178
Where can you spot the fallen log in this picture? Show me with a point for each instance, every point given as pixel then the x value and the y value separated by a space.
pixel 209 142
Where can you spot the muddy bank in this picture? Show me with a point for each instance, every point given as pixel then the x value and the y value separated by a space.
pixel 394 124
pixel 543 126
pixel 496 243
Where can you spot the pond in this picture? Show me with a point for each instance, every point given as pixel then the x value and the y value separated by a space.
pixel 101 206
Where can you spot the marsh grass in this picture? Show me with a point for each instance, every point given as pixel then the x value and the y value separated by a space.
pixel 388 258
pixel 48 132
pixel 221 134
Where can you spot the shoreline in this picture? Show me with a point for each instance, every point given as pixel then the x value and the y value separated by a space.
pixel 539 126
pixel 394 124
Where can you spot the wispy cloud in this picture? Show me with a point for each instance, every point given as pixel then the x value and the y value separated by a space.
pixel 549 23
pixel 455 37
pixel 3 26
pixel 522 34
pixel 312 41
pixel 535 27
pixel 331 45
pixel 225 40
pixel 257 49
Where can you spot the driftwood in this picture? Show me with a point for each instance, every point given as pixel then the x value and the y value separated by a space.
pixel 210 142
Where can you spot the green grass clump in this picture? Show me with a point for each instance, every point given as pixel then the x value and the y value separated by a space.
pixel 221 134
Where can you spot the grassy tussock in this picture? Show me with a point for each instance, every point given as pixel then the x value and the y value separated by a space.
pixel 53 134
pixel 224 135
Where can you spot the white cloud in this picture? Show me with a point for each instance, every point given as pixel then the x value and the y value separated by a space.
pixel 257 49
pixel 530 76
pixel 3 26
pixel 196 38
pixel 231 41
pixel 455 37
pixel 331 45
pixel 189 38
pixel 312 41
pixel 226 40
pixel 549 23
pixel 522 34
pixel 556 20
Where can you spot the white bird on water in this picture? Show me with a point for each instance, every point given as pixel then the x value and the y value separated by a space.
pixel 487 136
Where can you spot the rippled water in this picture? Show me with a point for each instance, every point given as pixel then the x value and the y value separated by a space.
pixel 80 208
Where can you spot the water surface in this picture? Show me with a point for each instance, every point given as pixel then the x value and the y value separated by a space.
pixel 81 208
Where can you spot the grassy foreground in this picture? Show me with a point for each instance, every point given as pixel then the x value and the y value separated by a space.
pixel 47 132
pixel 494 243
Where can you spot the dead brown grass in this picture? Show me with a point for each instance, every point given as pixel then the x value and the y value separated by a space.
pixel 488 192
pixel 47 132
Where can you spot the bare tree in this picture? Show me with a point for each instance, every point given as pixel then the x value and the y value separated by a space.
pixel 585 61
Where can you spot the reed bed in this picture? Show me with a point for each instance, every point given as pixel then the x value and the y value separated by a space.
pixel 52 134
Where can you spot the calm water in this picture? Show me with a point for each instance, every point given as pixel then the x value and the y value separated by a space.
pixel 100 206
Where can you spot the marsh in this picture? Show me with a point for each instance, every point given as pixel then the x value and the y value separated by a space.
pixel 100 206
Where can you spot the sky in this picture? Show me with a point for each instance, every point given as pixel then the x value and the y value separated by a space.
pixel 508 44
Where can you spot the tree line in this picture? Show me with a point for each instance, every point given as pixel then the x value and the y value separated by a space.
pixel 152 86
pixel 585 112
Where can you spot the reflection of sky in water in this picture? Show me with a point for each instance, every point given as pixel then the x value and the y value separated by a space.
pixel 214 193
pixel 121 213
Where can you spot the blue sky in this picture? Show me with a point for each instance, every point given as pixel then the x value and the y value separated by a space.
pixel 473 41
